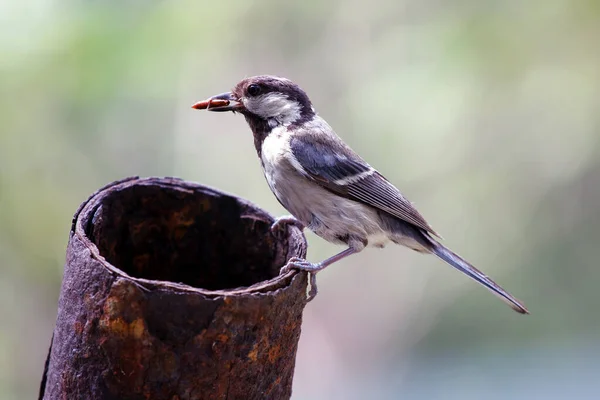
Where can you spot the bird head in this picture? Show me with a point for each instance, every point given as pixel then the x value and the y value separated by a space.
pixel 268 99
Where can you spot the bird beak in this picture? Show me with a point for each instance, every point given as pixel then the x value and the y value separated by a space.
pixel 220 102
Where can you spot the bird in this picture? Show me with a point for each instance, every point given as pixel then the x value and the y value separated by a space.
pixel 325 185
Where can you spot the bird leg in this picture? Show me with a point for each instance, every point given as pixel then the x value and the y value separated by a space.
pixel 281 224
pixel 313 268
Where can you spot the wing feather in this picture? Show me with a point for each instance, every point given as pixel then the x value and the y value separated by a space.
pixel 341 171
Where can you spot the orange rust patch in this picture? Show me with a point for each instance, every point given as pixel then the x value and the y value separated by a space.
pixel 273 385
pixel 291 327
pixel 135 329
pixel 274 353
pixel 112 307
pixel 223 338
pixel 253 354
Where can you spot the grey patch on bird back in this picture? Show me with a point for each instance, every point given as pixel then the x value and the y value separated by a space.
pixel 323 154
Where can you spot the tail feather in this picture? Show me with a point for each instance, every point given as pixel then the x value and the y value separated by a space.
pixel 463 266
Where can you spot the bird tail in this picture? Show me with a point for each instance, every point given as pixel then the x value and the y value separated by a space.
pixel 463 266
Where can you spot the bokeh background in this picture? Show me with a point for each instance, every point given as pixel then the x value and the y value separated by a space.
pixel 485 113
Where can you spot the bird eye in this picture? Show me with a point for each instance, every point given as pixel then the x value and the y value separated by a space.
pixel 253 90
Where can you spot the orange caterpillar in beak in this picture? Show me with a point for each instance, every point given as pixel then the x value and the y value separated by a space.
pixel 206 104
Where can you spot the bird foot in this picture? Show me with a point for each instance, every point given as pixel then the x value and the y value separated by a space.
pixel 303 265
pixel 281 224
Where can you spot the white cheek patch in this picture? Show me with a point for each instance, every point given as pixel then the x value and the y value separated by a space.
pixel 275 107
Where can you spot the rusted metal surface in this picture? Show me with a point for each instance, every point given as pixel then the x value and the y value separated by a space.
pixel 171 291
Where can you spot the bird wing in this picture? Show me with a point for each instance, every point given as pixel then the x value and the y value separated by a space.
pixel 338 169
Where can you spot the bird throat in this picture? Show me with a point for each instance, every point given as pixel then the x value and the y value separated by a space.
pixel 260 130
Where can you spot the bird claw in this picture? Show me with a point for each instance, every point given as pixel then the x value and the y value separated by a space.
pixel 303 265
pixel 281 224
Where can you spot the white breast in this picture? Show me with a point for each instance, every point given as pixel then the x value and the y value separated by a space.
pixel 274 146
pixel 276 149
pixel 273 149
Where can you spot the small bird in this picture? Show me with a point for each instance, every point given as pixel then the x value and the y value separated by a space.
pixel 325 185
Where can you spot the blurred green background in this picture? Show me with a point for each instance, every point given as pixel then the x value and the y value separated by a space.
pixel 485 113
